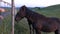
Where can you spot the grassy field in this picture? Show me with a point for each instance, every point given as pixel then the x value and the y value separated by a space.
pixel 22 27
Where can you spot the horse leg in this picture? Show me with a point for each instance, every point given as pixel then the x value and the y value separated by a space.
pixel 38 31
pixel 59 31
pixel 29 23
pixel 56 32
pixel 33 29
pixel 30 28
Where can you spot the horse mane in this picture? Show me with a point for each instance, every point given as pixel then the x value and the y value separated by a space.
pixel 32 12
pixel 23 7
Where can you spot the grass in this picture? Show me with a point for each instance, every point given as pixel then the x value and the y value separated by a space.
pixel 5 27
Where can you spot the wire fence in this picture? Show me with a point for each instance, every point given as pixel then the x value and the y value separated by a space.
pixel 7 24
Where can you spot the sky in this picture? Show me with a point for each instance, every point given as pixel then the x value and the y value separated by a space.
pixel 35 3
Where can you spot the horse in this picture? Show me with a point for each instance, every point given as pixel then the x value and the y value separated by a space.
pixel 29 23
pixel 39 21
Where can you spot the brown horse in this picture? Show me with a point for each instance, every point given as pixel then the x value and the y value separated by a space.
pixel 38 21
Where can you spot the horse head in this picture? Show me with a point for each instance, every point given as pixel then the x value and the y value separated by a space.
pixel 21 13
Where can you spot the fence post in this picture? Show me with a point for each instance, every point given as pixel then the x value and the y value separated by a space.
pixel 12 13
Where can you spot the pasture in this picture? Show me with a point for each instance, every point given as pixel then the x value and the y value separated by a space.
pixel 22 27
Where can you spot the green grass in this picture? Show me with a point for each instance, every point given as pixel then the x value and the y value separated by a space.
pixel 22 27
pixel 5 26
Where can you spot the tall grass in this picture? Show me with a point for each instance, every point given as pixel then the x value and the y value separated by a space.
pixel 5 27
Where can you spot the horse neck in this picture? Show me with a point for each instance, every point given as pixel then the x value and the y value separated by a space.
pixel 29 13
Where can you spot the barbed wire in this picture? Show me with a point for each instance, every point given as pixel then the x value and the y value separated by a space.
pixel 6 3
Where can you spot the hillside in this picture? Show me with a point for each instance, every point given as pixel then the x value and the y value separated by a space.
pixel 51 11
pixel 52 8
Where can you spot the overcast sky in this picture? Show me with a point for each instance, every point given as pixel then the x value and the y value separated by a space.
pixel 35 3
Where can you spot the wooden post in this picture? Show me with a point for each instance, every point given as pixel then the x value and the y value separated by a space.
pixel 0 3
pixel 0 12
pixel 12 13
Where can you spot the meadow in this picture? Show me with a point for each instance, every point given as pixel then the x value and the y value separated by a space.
pixel 22 27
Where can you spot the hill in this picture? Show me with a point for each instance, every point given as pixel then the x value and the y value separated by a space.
pixel 54 7
pixel 53 11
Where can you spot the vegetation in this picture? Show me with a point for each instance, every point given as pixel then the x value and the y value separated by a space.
pixel 22 27
pixel 5 27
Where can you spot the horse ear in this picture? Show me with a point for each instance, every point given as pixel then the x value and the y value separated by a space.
pixel 24 6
